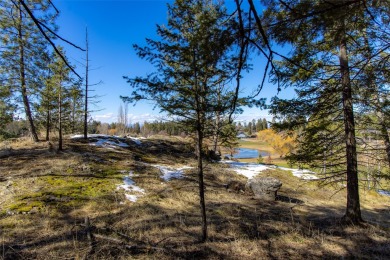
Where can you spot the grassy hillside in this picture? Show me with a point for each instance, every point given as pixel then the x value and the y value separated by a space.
pixel 46 198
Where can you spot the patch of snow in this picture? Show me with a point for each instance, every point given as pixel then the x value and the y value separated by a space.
pixel 90 136
pixel 76 136
pixel 132 198
pixel 302 174
pixel 169 173
pixel 129 186
pixel 137 141
pixel 384 192
pixel 107 141
pixel 250 170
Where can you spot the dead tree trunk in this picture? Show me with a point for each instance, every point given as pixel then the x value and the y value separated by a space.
pixel 86 89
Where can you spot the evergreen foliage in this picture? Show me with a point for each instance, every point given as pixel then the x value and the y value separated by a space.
pixel 328 61
pixel 23 52
pixel 195 61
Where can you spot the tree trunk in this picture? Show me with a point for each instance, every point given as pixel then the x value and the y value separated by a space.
pixel 86 89
pixel 48 115
pixel 352 214
pixel 200 110
pixel 59 117
pixel 202 203
pixel 48 124
pixel 216 133
pixel 26 102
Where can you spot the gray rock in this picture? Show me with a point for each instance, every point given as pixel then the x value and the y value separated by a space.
pixel 264 188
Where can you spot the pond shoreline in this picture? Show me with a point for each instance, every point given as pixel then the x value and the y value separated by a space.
pixel 247 153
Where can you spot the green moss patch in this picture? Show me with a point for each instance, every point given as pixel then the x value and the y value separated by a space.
pixel 67 191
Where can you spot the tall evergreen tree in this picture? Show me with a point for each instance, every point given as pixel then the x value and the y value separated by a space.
pixel 254 127
pixel 265 123
pixel 193 58
pixel 324 65
pixel 23 46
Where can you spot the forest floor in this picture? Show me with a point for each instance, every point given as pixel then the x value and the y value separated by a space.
pixel 107 202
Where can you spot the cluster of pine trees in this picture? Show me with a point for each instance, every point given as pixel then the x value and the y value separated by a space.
pixel 37 83
pixel 170 127
pixel 144 129
pixel 253 126
pixel 338 64
pixel 337 61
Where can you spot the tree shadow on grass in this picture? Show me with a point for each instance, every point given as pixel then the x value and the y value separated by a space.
pixel 161 230
pixel 158 226
pixel 289 199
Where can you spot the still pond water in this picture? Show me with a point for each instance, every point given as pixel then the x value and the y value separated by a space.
pixel 245 153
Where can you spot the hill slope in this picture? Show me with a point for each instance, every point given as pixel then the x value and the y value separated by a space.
pixel 73 204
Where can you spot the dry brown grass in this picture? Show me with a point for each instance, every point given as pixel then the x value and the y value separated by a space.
pixel 59 190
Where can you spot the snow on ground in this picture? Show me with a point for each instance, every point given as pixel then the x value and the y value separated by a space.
pixel 136 140
pixel 169 173
pixel 250 170
pixel 108 141
pixel 130 187
pixel 300 173
pixel 132 198
pixel 384 192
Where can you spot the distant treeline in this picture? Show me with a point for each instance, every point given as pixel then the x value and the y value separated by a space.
pixel 253 126
pixel 167 127
pixel 137 128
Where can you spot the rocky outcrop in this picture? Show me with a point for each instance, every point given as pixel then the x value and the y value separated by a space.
pixel 264 188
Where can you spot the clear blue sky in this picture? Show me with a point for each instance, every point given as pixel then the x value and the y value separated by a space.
pixel 113 27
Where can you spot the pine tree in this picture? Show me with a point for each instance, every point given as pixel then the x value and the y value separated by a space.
pixel 259 125
pixel 47 103
pixel 326 61
pixel 23 47
pixel 62 83
pixel 265 124
pixel 254 128
pixel 249 128
pixel 193 58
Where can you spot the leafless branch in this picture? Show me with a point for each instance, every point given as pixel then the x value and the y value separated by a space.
pixel 38 24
